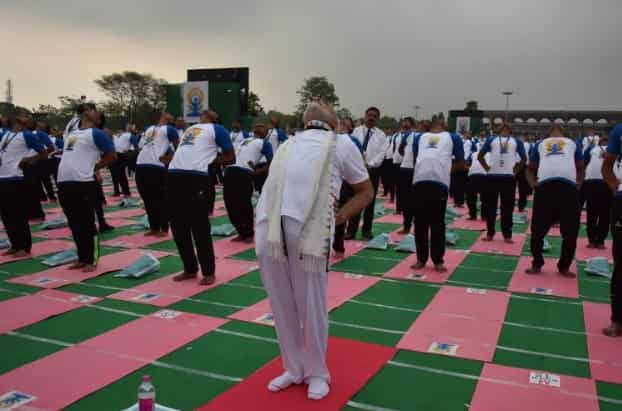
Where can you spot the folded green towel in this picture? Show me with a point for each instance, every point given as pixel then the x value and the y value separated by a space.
pixel 451 237
pixel 56 223
pixel 61 258
pixel 379 210
pixel 223 230
pixel 145 265
pixel 379 242
pixel 598 266
pixel 129 203
pixel 407 245
pixel 519 218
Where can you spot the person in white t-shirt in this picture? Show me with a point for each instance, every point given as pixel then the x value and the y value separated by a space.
pixel 407 169
pixel 237 135
pixel 503 150
pixel 155 153
pixel 556 171
pixel 188 186
pixel 401 187
pixel 123 146
pixel 597 195
pixel 613 177
pixel 238 181
pixel 477 186
pixel 374 143
pixel 387 176
pixel 435 153
pixel 458 180
pixel 87 150
pixel 524 189
pixel 18 147
pixel 295 221
pixel 590 139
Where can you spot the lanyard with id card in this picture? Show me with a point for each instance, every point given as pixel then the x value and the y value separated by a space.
pixel 503 149
pixel 5 144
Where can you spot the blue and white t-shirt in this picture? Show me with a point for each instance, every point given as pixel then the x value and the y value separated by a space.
pixel 614 146
pixel 276 136
pixel 83 149
pixel 556 157
pixel 433 154
pixel 155 143
pixel 250 151
pixel 14 147
pixel 238 137
pixel 123 142
pixel 594 157
pixel 588 141
pixel 199 147
pixel 45 139
pixel 503 152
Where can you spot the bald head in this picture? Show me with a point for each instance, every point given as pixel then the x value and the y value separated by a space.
pixel 320 112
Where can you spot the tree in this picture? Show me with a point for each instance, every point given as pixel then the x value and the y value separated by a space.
pixel 133 94
pixel 254 106
pixel 388 122
pixel 316 87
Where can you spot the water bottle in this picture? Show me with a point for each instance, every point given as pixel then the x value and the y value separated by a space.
pixel 146 395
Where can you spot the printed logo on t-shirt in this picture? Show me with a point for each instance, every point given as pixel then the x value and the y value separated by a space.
pixel 433 141
pixel 554 146
pixel 71 141
pixel 190 136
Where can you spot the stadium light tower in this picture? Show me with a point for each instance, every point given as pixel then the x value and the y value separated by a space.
pixel 417 108
pixel 507 95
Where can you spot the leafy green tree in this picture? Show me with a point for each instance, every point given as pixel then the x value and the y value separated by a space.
pixel 316 87
pixel 254 106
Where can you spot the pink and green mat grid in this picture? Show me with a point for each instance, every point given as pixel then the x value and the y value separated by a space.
pixel 483 336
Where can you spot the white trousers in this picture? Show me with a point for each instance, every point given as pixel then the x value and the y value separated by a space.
pixel 298 301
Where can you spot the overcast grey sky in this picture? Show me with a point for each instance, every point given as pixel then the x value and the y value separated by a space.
pixel 555 54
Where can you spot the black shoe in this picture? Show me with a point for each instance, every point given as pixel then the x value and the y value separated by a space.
pixel 105 228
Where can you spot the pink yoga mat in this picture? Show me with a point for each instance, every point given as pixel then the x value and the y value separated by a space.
pixel 498 246
pixel 164 291
pixel 468 319
pixel 65 232
pixel 341 288
pixel 226 247
pixel 548 282
pixel 39 249
pixel 583 253
pixel 130 212
pixel 509 389
pixel 388 204
pixel 453 258
pixel 604 352
pixel 22 311
pixel 136 240
pixel 390 219
pixel 59 276
pixel 464 223
pixel 71 374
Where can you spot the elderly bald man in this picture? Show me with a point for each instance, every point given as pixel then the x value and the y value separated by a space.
pixel 295 221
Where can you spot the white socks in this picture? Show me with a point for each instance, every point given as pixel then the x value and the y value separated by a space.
pixel 318 388
pixel 281 382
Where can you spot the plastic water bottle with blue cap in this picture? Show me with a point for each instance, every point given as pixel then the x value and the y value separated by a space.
pixel 146 395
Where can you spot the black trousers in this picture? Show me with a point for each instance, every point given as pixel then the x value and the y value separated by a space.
pixel 555 201
pixel 500 188
pixel 524 190
pixel 387 175
pixel 238 193
pixel 616 280
pixel 131 162
pixel 100 200
pixel 344 196
pixel 78 201
pixel 120 183
pixel 151 185
pixel 405 196
pixel 34 193
pixel 368 213
pixel 45 169
pixel 188 204
pixel 429 207
pixel 399 198
pixel 54 162
pixel 476 188
pixel 598 199
pixel 13 201
pixel 213 172
pixel 458 186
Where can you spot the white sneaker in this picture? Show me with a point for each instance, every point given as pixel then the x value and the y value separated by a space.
pixel 318 388
pixel 282 382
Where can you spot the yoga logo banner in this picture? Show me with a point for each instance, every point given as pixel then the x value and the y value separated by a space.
pixel 195 95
